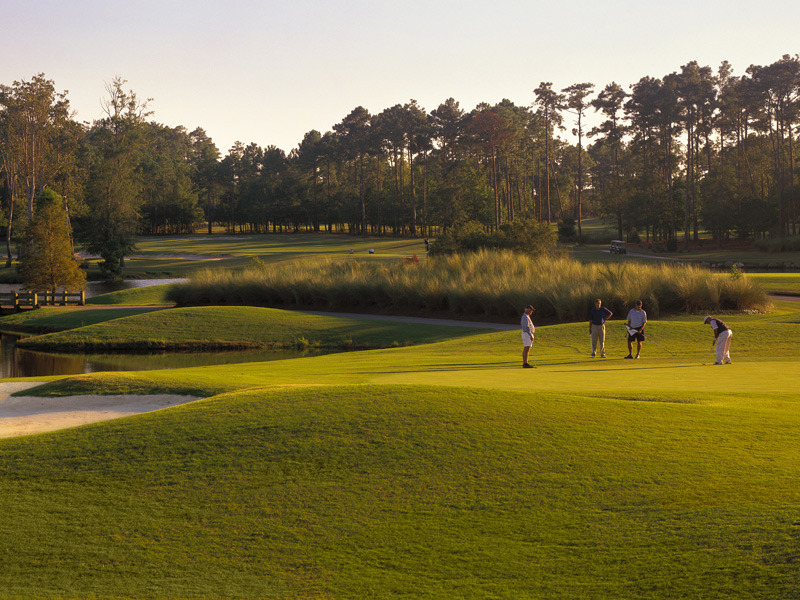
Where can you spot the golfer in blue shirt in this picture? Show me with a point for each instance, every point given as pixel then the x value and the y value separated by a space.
pixel 597 326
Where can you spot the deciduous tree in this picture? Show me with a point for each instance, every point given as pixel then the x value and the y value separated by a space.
pixel 115 185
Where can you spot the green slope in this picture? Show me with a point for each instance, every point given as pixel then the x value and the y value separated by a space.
pixel 398 491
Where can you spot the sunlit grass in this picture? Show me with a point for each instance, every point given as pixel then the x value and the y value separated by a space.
pixel 209 328
pixel 50 319
pixel 409 491
pixel 675 357
pixel 140 296
pixel 179 256
pixel 437 471
pixel 777 282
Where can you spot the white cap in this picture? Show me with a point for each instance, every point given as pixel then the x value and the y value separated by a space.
pixel 707 319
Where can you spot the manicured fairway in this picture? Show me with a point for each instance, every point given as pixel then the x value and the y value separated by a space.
pixel 388 491
pixel 278 246
pixel 440 470
pixel 141 296
pixel 181 255
pixel 47 319
pixel 776 283
pixel 220 327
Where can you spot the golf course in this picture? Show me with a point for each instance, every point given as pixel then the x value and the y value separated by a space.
pixel 414 460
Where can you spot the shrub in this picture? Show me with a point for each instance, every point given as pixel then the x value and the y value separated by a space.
pixel 527 235
pixel 524 234
pixel 775 245
pixel 566 230
pixel 495 283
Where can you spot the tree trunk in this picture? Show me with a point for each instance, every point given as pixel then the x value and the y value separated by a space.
pixel 413 192
pixel 363 194
pixel 494 188
pixel 578 207
pixel 547 164
pixel 687 229
pixel 378 192
pixel 425 195
pixel 9 256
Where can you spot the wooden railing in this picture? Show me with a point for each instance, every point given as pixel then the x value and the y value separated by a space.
pixel 19 300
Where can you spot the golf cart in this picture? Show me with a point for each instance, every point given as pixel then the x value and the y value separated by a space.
pixel 619 247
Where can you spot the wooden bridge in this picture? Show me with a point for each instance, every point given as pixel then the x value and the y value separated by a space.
pixel 17 301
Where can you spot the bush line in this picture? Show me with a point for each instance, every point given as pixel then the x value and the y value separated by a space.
pixel 486 283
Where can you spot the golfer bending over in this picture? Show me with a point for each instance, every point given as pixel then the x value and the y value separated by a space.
pixel 637 319
pixel 722 340
pixel 527 335
pixel 597 326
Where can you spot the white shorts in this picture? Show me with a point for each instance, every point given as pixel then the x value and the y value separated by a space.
pixel 527 339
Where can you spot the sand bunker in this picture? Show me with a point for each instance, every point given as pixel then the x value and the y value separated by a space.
pixel 24 415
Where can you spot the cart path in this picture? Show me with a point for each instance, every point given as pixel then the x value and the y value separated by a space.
pixel 653 256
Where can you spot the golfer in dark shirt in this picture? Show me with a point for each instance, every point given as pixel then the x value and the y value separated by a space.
pixel 597 327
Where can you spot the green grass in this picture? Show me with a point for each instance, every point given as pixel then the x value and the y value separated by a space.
pixel 775 283
pixel 597 253
pixel 167 256
pixel 50 319
pixel 441 470
pixel 399 491
pixel 278 246
pixel 141 296
pixel 220 327
pixel 709 253
pixel 673 361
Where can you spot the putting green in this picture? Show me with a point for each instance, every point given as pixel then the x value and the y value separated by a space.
pixel 675 361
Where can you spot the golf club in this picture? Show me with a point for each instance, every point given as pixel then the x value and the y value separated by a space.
pixel 713 357
pixel 533 352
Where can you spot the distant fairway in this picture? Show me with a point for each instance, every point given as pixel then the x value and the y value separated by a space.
pixel 775 283
pixel 439 470
pixel 179 256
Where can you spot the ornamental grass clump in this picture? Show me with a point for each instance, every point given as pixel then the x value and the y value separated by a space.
pixel 485 283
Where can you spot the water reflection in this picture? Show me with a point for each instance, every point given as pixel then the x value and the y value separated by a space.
pixel 15 362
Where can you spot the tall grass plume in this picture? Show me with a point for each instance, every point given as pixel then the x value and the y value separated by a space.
pixel 481 284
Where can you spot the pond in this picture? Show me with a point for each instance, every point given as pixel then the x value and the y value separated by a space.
pixel 16 362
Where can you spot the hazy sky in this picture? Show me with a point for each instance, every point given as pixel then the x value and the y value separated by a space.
pixel 268 72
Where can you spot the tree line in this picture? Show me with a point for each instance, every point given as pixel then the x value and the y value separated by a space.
pixel 697 149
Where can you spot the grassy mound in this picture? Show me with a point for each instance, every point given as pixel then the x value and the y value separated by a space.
pixel 142 296
pixel 486 283
pixel 399 491
pixel 50 319
pixel 232 327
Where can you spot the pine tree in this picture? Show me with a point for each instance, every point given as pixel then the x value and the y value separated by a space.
pixel 49 264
